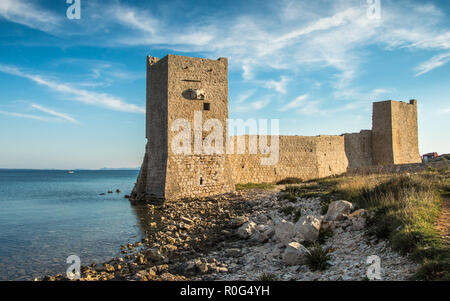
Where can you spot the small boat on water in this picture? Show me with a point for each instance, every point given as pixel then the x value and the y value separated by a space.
pixel 70 171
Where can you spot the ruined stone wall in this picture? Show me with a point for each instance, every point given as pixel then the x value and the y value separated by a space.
pixel 331 156
pixel 358 148
pixel 296 159
pixel 299 157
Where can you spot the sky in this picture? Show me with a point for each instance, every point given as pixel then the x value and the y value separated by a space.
pixel 72 91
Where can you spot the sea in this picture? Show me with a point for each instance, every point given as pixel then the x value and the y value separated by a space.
pixel 48 215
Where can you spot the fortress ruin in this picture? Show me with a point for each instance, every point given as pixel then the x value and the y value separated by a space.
pixel 179 86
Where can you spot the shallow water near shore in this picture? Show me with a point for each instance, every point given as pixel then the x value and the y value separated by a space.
pixel 47 215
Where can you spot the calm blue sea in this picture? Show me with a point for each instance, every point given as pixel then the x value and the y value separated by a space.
pixel 45 216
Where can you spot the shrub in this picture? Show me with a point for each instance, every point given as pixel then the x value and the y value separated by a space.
pixel 434 270
pixel 317 259
pixel 324 234
pixel 267 277
pixel 293 190
pixel 431 169
pixel 288 210
pixel 297 214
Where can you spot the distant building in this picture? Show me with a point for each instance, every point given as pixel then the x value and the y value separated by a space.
pixel 429 156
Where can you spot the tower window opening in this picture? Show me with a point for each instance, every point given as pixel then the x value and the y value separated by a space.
pixel 206 106
pixel 201 180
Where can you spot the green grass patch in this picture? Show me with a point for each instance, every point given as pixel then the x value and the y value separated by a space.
pixel 290 181
pixel 265 186
pixel 310 191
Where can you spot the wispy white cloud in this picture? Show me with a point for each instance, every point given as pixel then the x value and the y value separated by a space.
pixel 297 102
pixel 433 63
pixel 245 95
pixel 279 86
pixel 81 95
pixel 20 115
pixel 99 73
pixel 28 14
pixel 140 20
pixel 320 108
pixel 54 113
pixel 255 105
pixel 300 36
pixel 311 108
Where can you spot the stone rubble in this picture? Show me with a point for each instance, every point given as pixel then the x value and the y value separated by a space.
pixel 242 236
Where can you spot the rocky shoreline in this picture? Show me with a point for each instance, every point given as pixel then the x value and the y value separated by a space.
pixel 249 235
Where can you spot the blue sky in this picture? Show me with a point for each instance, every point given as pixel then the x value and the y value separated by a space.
pixel 72 92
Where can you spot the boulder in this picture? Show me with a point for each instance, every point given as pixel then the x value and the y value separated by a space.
pixel 269 232
pixel 238 221
pixel 284 231
pixel 154 255
pixel 246 230
pixel 307 229
pixel 109 268
pixel 259 237
pixel 338 210
pixel 295 254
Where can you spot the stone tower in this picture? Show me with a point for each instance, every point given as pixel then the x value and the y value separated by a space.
pixel 395 133
pixel 179 88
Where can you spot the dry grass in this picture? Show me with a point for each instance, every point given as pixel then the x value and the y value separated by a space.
pixel 405 209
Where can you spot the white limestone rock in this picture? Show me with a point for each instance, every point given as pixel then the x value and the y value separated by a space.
pixel 295 254
pixel 284 231
pixel 246 230
pixel 338 210
pixel 307 229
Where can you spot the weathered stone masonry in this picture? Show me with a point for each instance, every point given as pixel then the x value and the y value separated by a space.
pixel 178 86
